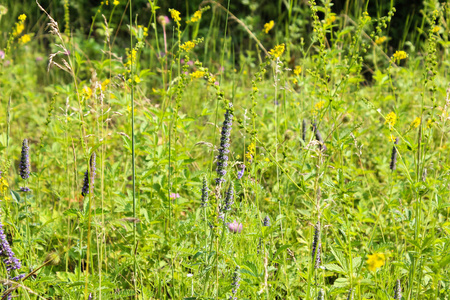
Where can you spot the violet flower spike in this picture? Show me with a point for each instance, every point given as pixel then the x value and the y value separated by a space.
pixel 240 173
pixel 24 165
pixel 316 246
pixel 222 158
pixel 11 261
pixel 229 198
pixel 235 284
pixel 266 221
pixel 204 198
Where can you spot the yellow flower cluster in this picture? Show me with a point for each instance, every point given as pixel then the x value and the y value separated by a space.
pixel 268 26
pixel 277 51
pixel 330 20
pixel 416 122
pixel 392 138
pixel 116 2
pixel 136 79
pixel 188 46
pixel 297 70
pixel 318 106
pixel 196 17
pixel 20 26
pixel 436 29
pixel 24 39
pixel 131 58
pixel 197 74
pixel 175 14
pixel 391 118
pixel 251 149
pixel 144 29
pixel 380 40
pixel 375 261
pixel 104 84
pixel 86 92
pixel 399 55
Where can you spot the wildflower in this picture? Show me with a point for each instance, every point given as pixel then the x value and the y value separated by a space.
pixel 11 261
pixel 24 39
pixel 393 156
pixel 319 137
pixel 90 296
pixel 137 79
pixel 175 14
pixel 25 189
pixel 266 221
pixel 304 130
pixel 222 158
pixel 330 20
pixel 20 26
pixel 375 261
pixel 391 119
pixel 277 51
pixel 268 26
pixel 416 122
pixel 250 152
pixel 236 278
pixel 399 55
pixel 380 40
pixel 116 2
pixel 316 246
pixel 174 196
pixel 319 105
pixel 197 74
pixel 196 17
pixel 430 123
pixel 163 20
pixel 235 227
pixel 297 70
pixel 104 84
pixel 436 29
pixel 188 46
pixel 241 172
pixel 90 172
pixel 24 165
pixel 204 193
pixel 321 295
pixel 229 198
pixel 86 92
pixel 398 290
pixel 131 58
pixel 2 54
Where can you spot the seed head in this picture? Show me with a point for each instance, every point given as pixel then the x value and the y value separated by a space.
pixel 316 246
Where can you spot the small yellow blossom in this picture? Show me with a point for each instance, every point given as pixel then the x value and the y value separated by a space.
pixel 436 29
pixel 116 2
pixel 277 51
pixel 267 159
pixel 137 79
pixel 268 26
pixel 319 105
pixel 131 58
pixel 392 138
pixel 22 17
pixel 330 20
pixel 197 74
pixel 295 81
pixel 188 46
pixel 250 152
pixel 380 40
pixel 430 123
pixel 399 55
pixel 375 261
pixel 416 122
pixel 24 39
pixel 391 118
pixel 86 92
pixel 196 17
pixel 3 185
pixel 19 25
pixel 297 70
pixel 175 14
pixel 105 84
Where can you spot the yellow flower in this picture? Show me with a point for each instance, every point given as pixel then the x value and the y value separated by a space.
pixel 297 70
pixel 250 152
pixel 375 261
pixel 392 138
pixel 319 105
pixel 137 79
pixel 116 2
pixel 416 122
pixel 399 55
pixel 22 17
pixel 188 46
pixel 391 118
pixel 380 40
pixel 436 29
pixel 277 51
pixel 268 26
pixel 105 84
pixel 295 81
pixel 3 185
pixel 330 20
pixel 430 123
pixel 175 14
pixel 196 17
pixel 19 25
pixel 24 39
pixel 197 74
pixel 131 58
pixel 86 92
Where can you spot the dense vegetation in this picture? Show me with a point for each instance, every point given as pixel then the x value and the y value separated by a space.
pixel 224 150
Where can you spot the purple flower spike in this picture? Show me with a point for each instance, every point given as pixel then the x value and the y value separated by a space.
pixel 241 172
pixel 11 262
pixel 24 165
pixel 235 227
pixel 222 158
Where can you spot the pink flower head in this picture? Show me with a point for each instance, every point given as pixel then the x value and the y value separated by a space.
pixel 163 20
pixel 235 227
pixel 2 54
pixel 174 195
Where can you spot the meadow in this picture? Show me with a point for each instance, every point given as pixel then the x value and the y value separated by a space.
pixel 151 151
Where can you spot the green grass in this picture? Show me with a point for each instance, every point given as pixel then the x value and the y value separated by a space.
pixel 341 217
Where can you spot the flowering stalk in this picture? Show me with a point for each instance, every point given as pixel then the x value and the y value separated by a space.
pixel 229 198
pixel 266 221
pixel 235 284
pixel 222 158
pixel 321 295
pixel 11 261
pixel 24 165
pixel 304 130
pixel 204 193
pixel 316 246
pixel 90 173
pixel 319 137
pixel 392 165
pixel 398 290
pixel 241 172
